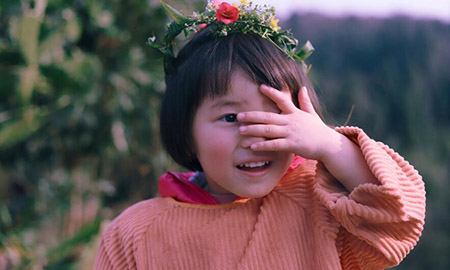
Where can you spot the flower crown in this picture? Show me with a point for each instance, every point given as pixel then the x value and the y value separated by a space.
pixel 221 19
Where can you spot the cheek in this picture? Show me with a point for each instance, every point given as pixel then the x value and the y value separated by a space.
pixel 214 146
pixel 213 158
pixel 285 160
pixel 288 160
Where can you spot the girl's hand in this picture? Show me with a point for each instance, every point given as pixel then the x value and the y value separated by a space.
pixel 299 131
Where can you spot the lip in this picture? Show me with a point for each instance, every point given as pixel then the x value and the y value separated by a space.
pixel 256 173
pixel 254 159
pixel 267 161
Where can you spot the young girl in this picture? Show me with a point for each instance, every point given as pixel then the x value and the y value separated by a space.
pixel 274 187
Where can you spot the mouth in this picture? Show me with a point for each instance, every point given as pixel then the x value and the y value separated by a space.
pixel 254 166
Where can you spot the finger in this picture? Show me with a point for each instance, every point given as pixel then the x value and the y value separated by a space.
pixel 266 131
pixel 258 117
pixel 247 141
pixel 283 101
pixel 305 102
pixel 271 145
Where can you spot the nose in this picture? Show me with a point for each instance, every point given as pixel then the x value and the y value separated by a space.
pixel 247 141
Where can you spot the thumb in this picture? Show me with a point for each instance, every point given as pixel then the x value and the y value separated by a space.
pixel 305 102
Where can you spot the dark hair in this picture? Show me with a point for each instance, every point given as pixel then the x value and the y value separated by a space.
pixel 203 69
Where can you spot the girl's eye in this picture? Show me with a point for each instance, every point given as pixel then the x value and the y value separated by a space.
pixel 230 118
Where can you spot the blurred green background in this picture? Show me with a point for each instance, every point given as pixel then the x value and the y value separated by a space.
pixel 79 102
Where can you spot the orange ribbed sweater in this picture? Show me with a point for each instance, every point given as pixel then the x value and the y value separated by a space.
pixel 309 221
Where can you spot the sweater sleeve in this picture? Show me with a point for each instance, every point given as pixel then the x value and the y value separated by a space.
pixel 379 224
pixel 120 242
pixel 102 259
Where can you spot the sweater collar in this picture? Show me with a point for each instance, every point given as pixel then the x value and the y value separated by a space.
pixel 177 185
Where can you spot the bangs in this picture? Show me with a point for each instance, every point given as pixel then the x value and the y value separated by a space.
pixel 262 62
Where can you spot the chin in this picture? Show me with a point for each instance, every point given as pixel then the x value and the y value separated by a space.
pixel 255 193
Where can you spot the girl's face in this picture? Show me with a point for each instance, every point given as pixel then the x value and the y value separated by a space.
pixel 230 166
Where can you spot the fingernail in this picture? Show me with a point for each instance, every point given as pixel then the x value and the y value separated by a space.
pixel 242 129
pixel 264 87
pixel 304 90
pixel 254 146
pixel 240 116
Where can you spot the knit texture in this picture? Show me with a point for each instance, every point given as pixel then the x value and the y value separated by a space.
pixel 309 221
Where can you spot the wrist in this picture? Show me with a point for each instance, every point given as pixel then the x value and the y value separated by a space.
pixel 332 146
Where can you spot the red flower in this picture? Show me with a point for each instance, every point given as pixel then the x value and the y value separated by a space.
pixel 227 13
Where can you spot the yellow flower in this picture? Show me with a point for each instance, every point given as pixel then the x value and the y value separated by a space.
pixel 243 2
pixel 274 24
pixel 235 5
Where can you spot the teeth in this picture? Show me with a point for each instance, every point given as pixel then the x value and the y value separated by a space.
pixel 254 164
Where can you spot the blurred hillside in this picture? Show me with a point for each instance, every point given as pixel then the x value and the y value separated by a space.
pixel 79 102
pixel 395 73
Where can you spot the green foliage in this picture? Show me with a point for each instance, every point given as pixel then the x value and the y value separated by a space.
pixel 58 255
pixel 78 123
